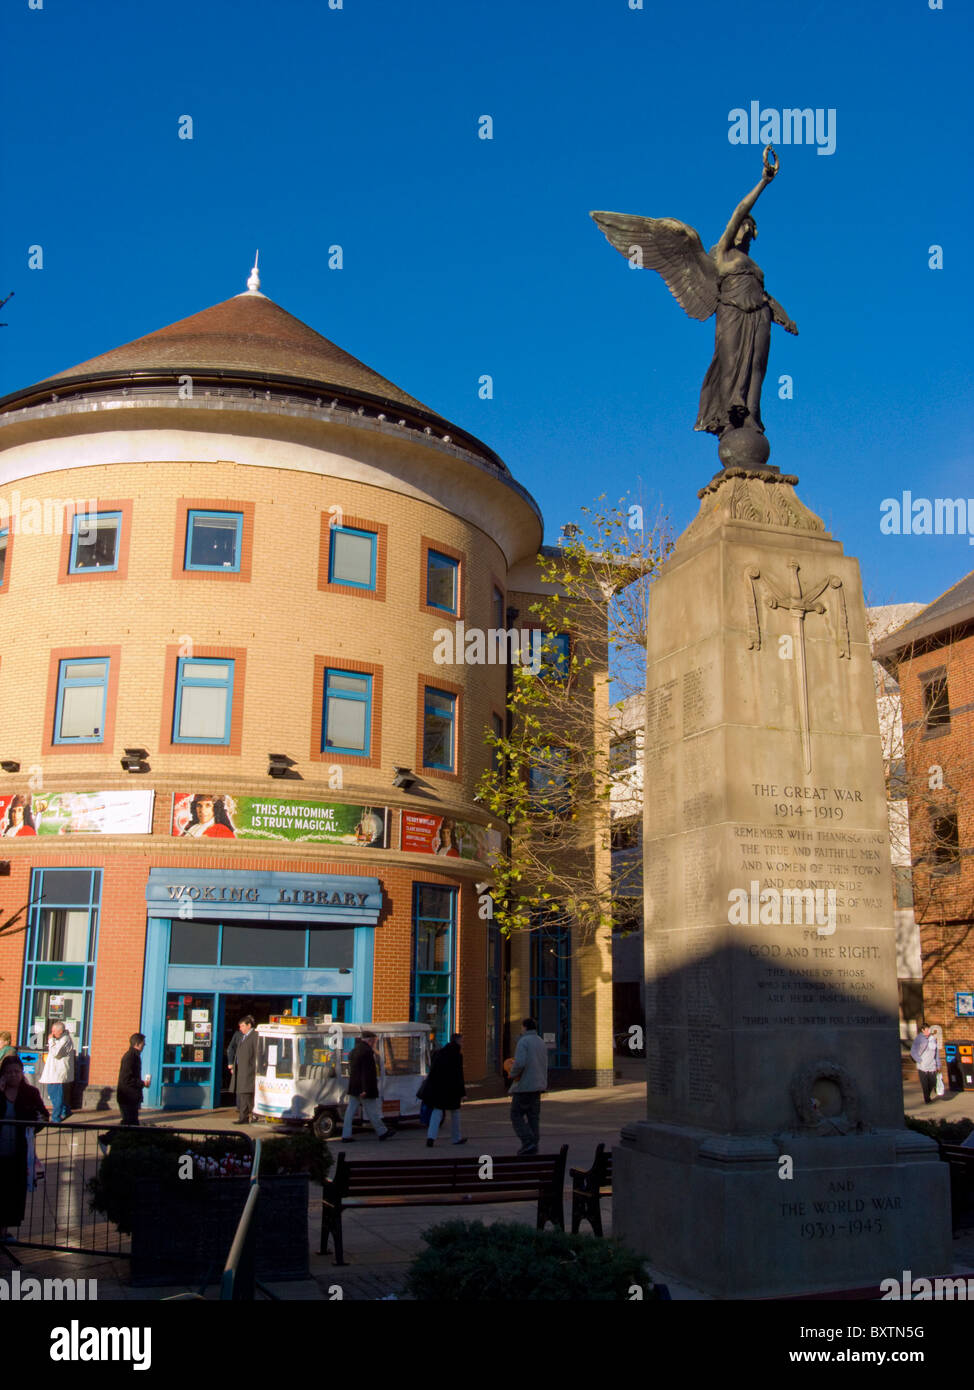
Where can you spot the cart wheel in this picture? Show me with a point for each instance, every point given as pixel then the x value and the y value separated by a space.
pixel 325 1124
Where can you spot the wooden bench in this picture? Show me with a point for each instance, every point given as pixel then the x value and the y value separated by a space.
pixel 397 1182
pixel 589 1186
pixel 961 1163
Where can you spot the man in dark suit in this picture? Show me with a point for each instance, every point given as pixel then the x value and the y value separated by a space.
pixel 130 1083
pixel 363 1089
pixel 245 1070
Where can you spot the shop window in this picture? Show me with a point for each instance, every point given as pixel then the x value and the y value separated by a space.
pixel 256 946
pixel 213 541
pixel 439 733
pixel 352 557
pixel 442 581
pixel 331 948
pixel 936 701
pixel 194 943
pixel 204 700
pixel 94 541
pixel 81 694
pixel 434 910
pixel 60 952
pixel 347 716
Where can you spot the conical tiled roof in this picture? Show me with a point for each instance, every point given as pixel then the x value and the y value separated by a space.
pixel 248 334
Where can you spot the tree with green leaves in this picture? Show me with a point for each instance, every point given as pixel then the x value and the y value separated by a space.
pixel 555 777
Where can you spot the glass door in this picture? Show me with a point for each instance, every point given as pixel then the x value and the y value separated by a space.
pixel 189 1055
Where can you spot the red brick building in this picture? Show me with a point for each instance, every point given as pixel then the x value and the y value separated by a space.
pixel 932 658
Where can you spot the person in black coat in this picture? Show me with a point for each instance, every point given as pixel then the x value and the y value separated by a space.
pixel 18 1101
pixel 444 1089
pixel 245 1070
pixel 363 1089
pixel 130 1084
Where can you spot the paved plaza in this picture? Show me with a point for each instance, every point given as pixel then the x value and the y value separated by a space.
pixel 381 1243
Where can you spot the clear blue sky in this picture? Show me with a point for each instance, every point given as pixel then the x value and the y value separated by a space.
pixel 462 256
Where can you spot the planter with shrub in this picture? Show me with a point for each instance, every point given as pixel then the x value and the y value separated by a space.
pixel 468 1262
pixel 182 1227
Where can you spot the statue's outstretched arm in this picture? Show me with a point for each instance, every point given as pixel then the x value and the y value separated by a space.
pixel 743 208
pixel 778 315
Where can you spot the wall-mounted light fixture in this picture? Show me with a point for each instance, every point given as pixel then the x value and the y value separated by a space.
pixel 9 765
pixel 403 778
pixel 135 760
pixel 281 765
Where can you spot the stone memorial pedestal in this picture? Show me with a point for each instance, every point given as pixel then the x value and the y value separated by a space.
pixel 774 1159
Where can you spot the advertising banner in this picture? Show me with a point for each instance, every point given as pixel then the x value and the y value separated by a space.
pixel 77 813
pixel 454 839
pixel 219 816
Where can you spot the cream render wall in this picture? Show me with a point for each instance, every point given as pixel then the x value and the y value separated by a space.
pixel 280 617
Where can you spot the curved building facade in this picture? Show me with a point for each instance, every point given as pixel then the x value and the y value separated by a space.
pixel 236 776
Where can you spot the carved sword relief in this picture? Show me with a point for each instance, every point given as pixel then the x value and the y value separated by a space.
pixel 799 605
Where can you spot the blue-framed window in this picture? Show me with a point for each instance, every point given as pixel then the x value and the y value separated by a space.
pixel 556 648
pixel 439 729
pixel 60 953
pixel 551 984
pixel 351 557
pixel 346 724
pixel 4 540
pixel 549 780
pixel 82 690
pixel 213 541
pixel 434 915
pixel 442 581
pixel 204 700
pixel 95 540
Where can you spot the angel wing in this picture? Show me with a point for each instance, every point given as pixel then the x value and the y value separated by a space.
pixel 671 248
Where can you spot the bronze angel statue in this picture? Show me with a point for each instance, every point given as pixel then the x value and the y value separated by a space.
pixel 724 280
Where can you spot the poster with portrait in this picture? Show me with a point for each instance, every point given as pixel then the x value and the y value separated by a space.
pixel 219 816
pixel 448 837
pixel 76 813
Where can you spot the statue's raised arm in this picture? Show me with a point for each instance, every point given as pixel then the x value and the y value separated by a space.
pixel 725 281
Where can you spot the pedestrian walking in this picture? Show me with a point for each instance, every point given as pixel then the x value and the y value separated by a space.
pixel 926 1053
pixel 58 1072
pixel 363 1089
pixel 130 1080
pixel 245 1070
pixel 444 1089
pixel 18 1101
pixel 6 1045
pixel 529 1077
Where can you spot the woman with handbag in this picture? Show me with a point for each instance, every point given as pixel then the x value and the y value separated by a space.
pixel 18 1101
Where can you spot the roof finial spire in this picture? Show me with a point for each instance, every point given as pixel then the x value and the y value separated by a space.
pixel 253 280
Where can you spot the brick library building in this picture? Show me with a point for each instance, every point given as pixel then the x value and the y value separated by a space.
pixel 225 549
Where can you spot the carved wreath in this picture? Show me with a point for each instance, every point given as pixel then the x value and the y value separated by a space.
pixel 809 1114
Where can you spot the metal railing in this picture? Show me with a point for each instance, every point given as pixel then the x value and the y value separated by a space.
pixel 239 1282
pixel 58 1212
